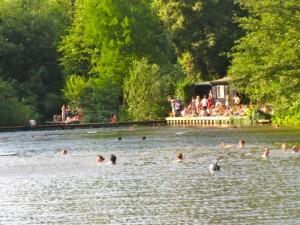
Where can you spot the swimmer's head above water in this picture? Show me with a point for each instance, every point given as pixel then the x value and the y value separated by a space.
pixel 64 152
pixel 266 153
pixel 179 157
pixel 100 158
pixel 113 159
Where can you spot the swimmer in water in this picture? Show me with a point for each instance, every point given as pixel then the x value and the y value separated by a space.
pixel 284 146
pixel 295 148
pixel 100 159
pixel 214 167
pixel 266 153
pixel 179 157
pixel 242 143
pixel 225 146
pixel 64 151
pixel 113 159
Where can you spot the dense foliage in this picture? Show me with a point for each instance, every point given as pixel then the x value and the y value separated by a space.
pixel 145 91
pixel 205 29
pixel 105 37
pixel 266 63
pixel 13 111
pixel 29 34
pixel 108 56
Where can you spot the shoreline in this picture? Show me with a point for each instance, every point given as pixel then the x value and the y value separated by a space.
pixel 66 126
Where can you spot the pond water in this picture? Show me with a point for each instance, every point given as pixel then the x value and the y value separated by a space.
pixel 147 185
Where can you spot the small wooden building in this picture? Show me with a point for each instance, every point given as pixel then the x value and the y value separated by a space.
pixel 219 88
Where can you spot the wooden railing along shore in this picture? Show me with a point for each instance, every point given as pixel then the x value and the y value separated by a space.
pixel 201 120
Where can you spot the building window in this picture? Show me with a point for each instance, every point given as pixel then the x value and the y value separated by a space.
pixel 220 91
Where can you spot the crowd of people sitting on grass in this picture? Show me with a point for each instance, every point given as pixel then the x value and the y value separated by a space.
pixel 208 106
pixel 68 115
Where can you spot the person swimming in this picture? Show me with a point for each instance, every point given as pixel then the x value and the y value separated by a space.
pixel 295 148
pixel 100 159
pixel 266 153
pixel 119 138
pixel 214 166
pixel 113 159
pixel 143 138
pixel 225 146
pixel 242 143
pixel 64 152
pixel 179 157
pixel 284 146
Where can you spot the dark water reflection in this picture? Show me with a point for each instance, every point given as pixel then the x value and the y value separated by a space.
pixel 147 186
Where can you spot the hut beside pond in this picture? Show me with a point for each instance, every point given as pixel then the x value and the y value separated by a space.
pixel 219 88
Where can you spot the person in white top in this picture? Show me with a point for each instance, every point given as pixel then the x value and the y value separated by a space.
pixel 236 100
pixel 204 102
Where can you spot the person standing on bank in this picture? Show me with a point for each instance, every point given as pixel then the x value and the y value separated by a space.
pixel 63 112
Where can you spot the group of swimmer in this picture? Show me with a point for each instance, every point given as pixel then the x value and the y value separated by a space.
pixel 212 167
pixel 112 159
pixel 99 158
pixel 179 157
pixel 241 144
pixel 266 151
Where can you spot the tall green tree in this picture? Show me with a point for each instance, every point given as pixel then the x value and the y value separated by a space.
pixel 145 91
pixel 105 38
pixel 266 63
pixel 29 35
pixel 204 30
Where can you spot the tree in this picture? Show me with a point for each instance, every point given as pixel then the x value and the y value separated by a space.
pixel 145 91
pixel 266 63
pixel 205 30
pixel 105 38
pixel 93 96
pixel 29 34
pixel 13 111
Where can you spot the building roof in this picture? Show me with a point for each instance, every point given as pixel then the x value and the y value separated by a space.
pixel 224 80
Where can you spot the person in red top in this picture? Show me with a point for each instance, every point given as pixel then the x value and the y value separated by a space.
pixel 113 118
pixel 209 102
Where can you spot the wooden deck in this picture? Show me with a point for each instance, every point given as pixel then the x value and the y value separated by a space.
pixel 200 121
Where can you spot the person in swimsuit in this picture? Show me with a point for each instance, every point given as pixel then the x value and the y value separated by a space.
pixel 179 157
pixel 295 148
pixel 113 159
pixel 266 153
pixel 100 159
pixel 242 143
pixel 64 151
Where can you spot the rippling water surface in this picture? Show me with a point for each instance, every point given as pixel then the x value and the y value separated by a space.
pixel 147 186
